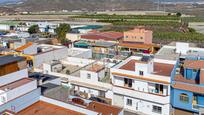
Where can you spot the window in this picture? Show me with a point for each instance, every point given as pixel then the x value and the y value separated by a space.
pixel 128 82
pixel 129 102
pixel 184 98
pixel 156 109
pixel 88 76
pixel 159 88
pixel 194 70
pixel 141 37
pixel 90 91
pixel 141 73
pixel 3 99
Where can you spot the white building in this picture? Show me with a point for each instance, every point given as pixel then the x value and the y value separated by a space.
pixel 93 73
pixel 44 26
pixel 49 53
pixel 73 36
pixel 20 95
pixel 85 75
pixel 15 84
pixel 16 89
pixel 5 27
pixel 80 53
pixel 43 53
pixel 179 49
pixel 142 84
pixel 28 48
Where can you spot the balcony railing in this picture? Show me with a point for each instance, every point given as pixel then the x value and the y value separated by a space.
pixel 141 95
pixel 197 107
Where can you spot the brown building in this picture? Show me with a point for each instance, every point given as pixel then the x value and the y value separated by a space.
pixel 139 34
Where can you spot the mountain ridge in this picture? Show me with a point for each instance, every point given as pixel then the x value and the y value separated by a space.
pixel 50 5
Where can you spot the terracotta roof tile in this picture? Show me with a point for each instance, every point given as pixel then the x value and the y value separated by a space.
pixel 16 84
pixel 194 64
pixel 95 68
pixel 43 108
pixel 189 87
pixel 129 65
pixel 105 109
pixel 181 78
pixel 107 36
pixel 163 69
pixel 182 112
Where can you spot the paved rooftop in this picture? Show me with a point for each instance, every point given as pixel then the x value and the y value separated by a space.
pixel 95 68
pixel 43 108
pixel 169 53
pixel 107 36
pixel 56 92
pixel 130 66
pixel 70 69
pixel 194 64
pixel 16 84
pixel 105 109
pixel 189 87
pixel 163 69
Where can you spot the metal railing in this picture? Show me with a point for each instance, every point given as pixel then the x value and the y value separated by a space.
pixel 197 107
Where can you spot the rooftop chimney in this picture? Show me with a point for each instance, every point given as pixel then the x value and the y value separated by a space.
pixel 201 76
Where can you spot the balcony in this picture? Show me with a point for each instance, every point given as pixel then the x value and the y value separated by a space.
pixel 198 107
pixel 142 95
pixel 157 92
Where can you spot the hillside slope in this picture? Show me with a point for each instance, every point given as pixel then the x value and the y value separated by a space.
pixel 46 5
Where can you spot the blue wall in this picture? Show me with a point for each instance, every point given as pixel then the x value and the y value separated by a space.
pixel 190 74
pixel 175 100
pixel 175 93
pixel 22 102
pixel 201 100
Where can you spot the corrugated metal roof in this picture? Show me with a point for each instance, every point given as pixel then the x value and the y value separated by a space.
pixel 10 59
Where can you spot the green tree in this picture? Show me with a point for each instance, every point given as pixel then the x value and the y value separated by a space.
pixel 33 29
pixel 62 30
pixel 191 30
pixel 169 14
pixel 178 14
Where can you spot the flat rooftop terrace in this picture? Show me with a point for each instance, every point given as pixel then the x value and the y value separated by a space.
pixel 130 66
pixel 95 68
pixel 16 84
pixel 43 108
pixel 105 109
pixel 163 69
pixel 70 68
pixel 169 53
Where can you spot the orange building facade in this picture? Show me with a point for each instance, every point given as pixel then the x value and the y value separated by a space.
pixel 140 35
